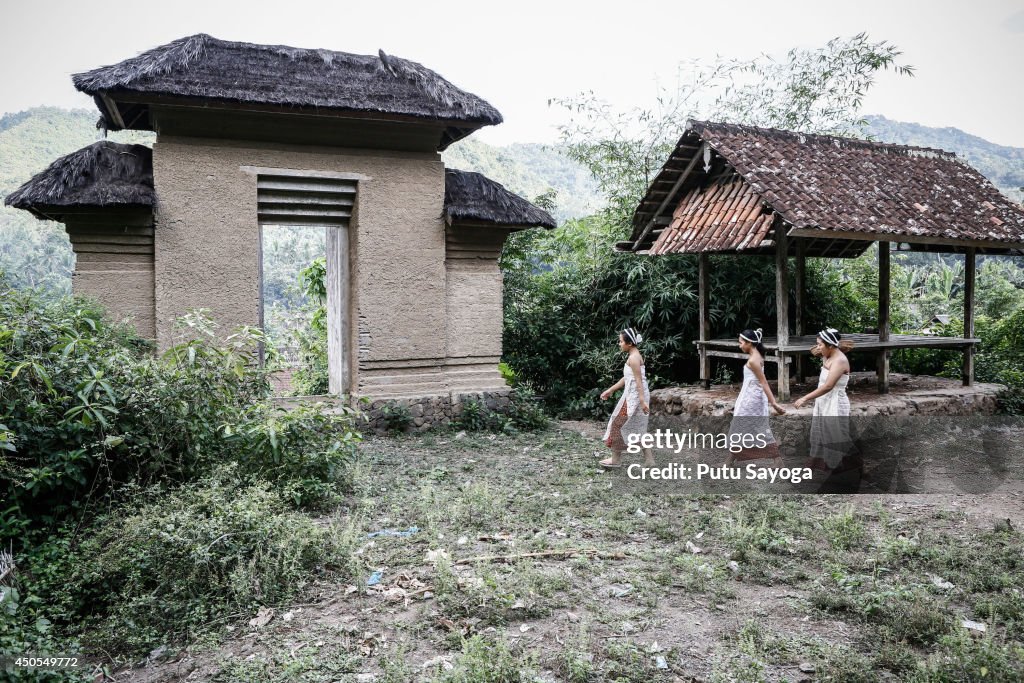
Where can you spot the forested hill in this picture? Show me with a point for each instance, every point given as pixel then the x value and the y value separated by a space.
pixel 37 252
pixel 1004 166
pixel 530 169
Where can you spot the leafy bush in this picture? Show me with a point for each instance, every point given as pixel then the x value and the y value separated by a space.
pixel 564 308
pixel 483 661
pixel 474 416
pixel 24 629
pixel 524 413
pixel 396 417
pixel 203 552
pixel 507 373
pixel 312 377
pixel 86 407
pixel 304 452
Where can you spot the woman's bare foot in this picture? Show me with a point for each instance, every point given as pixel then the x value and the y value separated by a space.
pixel 614 461
pixel 649 458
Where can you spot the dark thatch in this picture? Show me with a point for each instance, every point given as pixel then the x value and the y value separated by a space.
pixel 104 174
pixel 474 198
pixel 206 68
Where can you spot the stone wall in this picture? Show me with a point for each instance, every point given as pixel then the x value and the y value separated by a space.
pixel 909 395
pixel 432 411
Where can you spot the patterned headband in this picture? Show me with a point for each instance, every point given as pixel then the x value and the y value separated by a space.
pixel 632 336
pixel 830 335
pixel 757 333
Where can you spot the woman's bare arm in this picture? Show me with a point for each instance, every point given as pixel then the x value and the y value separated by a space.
pixel 755 367
pixel 838 369
pixel 613 388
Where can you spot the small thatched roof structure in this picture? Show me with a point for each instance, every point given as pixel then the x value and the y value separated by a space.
pixel 103 175
pixel 474 199
pixel 204 70
pixel 726 187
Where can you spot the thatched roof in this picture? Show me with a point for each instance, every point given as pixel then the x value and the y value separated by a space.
pixel 207 69
pixel 108 174
pixel 841 193
pixel 105 174
pixel 472 198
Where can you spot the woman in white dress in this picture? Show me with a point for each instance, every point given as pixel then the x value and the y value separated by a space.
pixel 632 411
pixel 749 428
pixel 830 422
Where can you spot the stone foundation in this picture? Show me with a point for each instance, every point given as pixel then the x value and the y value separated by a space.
pixel 908 395
pixel 428 412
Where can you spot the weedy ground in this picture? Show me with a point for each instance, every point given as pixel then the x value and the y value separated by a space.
pixel 529 563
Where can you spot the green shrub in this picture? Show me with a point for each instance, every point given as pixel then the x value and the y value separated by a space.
pixel 524 413
pixel 962 657
pixel 567 294
pixel 85 406
pixel 209 551
pixel 25 629
pixel 313 375
pixel 304 452
pixel 396 417
pixel 483 661
pixel 473 416
pixel 507 374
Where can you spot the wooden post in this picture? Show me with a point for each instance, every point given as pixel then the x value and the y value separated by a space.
pixel 337 310
pixel 782 307
pixel 883 315
pixel 969 271
pixel 800 287
pixel 704 317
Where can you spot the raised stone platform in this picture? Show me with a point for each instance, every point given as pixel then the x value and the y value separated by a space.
pixel 908 395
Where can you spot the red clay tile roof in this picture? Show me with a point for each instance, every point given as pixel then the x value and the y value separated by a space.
pixel 819 183
pixel 727 215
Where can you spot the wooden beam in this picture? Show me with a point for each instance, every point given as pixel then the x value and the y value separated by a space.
pixel 800 286
pixel 668 197
pixel 731 354
pixel 782 305
pixel 115 113
pixel 337 310
pixel 704 317
pixel 969 273
pixel 844 247
pixel 909 239
pixel 884 299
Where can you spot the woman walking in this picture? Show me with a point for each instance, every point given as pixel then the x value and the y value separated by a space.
pixel 749 428
pixel 632 411
pixel 830 422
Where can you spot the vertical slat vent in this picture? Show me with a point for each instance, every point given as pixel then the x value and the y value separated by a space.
pixel 304 200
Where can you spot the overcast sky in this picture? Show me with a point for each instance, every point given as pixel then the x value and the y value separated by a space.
pixel 968 55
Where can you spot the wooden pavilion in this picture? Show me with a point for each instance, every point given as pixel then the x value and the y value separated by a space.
pixel 735 189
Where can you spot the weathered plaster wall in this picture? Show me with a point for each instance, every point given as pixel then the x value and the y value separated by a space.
pixel 474 307
pixel 207 251
pixel 114 265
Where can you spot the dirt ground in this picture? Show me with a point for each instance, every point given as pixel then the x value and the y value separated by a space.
pixel 516 553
